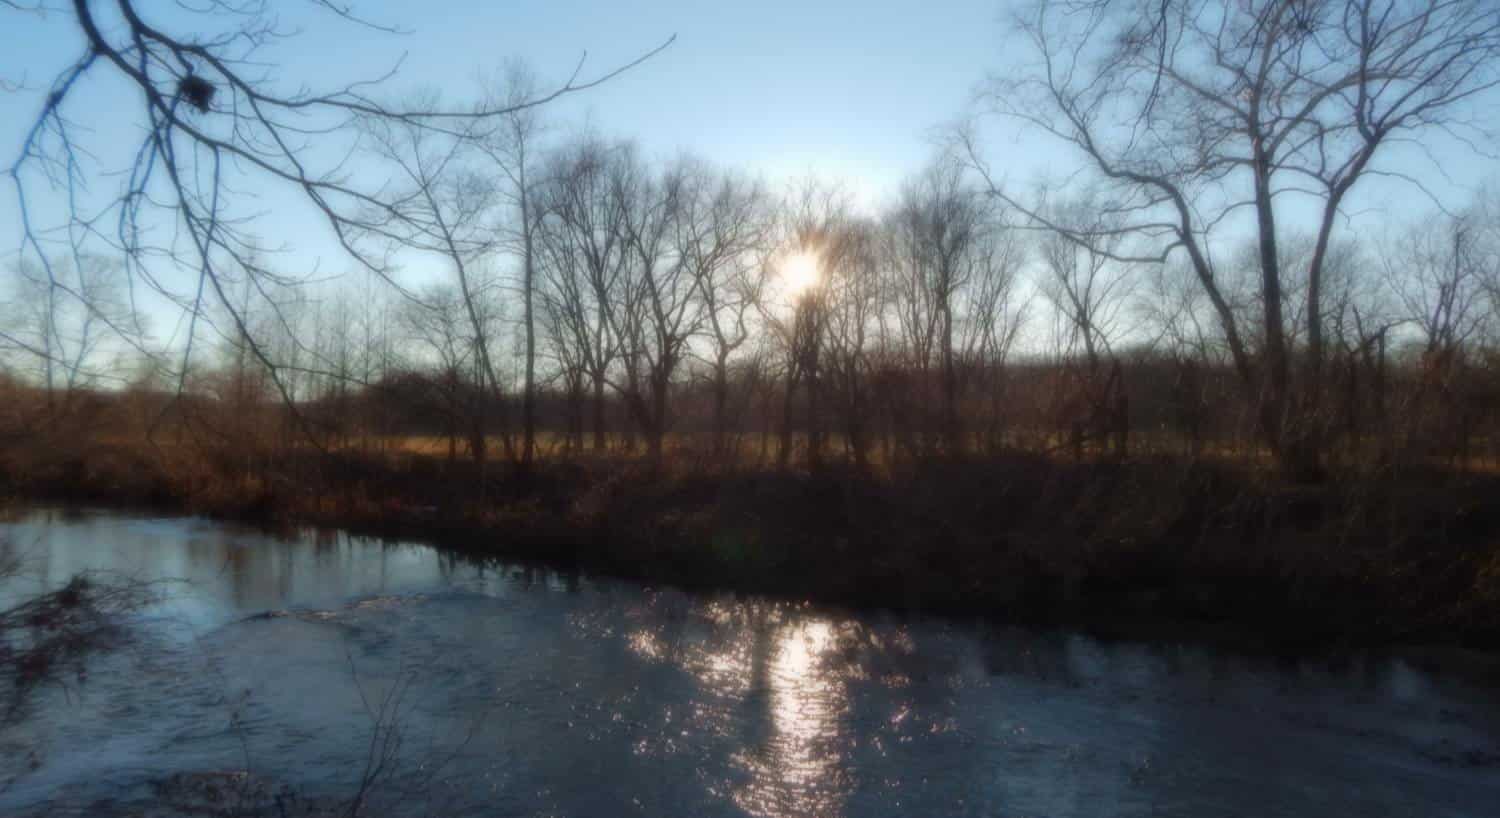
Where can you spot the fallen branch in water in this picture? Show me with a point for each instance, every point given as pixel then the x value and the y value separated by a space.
pixel 44 636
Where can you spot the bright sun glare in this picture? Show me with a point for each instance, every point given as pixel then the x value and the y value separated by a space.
pixel 799 273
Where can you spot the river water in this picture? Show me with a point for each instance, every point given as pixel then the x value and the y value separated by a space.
pixel 289 670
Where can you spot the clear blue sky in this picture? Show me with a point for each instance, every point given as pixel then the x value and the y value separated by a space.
pixel 848 90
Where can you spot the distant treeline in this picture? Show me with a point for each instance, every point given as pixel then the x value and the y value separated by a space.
pixel 1382 411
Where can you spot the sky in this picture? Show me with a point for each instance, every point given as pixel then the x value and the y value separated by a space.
pixel 842 89
pixel 849 91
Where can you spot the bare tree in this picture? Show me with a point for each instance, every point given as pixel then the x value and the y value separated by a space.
pixel 813 232
pixel 444 207
pixel 851 299
pixel 563 343
pixel 991 312
pixel 1485 215
pixel 720 230
pixel 213 122
pixel 1191 111
pixel 1437 274
pixel 1085 285
pixel 585 247
pixel 57 326
pixel 935 248
pixel 437 328
pixel 658 311
pixel 512 146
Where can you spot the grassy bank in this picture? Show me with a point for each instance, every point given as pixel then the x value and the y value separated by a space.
pixel 1376 559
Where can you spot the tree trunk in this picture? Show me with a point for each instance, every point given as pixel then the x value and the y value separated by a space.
pixel 599 430
pixel 814 416
pixel 575 413
pixel 951 434
pixel 478 446
pixel 657 428
pixel 721 406
pixel 858 440
pixel 528 399
pixel 654 437
pixel 784 455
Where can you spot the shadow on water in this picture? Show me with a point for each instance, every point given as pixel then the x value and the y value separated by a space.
pixel 312 669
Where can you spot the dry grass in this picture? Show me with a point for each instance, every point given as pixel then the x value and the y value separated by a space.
pixel 1221 535
pixel 750 451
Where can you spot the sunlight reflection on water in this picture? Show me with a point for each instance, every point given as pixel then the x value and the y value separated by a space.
pixel 547 693
pixel 799 770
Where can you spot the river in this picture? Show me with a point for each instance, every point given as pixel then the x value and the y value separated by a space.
pixel 290 669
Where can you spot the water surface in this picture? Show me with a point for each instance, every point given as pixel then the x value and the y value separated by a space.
pixel 455 687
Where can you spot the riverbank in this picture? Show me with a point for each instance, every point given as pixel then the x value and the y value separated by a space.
pixel 258 685
pixel 1114 547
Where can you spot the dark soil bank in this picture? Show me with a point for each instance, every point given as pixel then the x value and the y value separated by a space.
pixel 1113 546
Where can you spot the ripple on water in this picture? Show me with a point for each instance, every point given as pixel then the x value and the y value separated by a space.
pixel 521 691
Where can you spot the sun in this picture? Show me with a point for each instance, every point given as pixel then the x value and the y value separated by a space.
pixel 799 273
